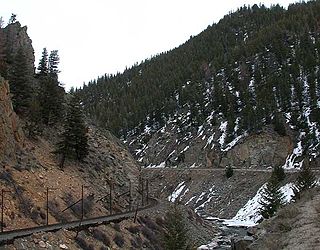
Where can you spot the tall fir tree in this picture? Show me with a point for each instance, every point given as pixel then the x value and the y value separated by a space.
pixel 271 198
pixel 175 230
pixel 53 62
pixel 20 83
pixel 74 140
pixel 306 179
pixel 43 63
pixel 278 173
pixel 51 96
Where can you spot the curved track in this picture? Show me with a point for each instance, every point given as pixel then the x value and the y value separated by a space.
pixel 10 235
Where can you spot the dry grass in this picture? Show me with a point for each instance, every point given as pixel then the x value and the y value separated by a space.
pixel 290 211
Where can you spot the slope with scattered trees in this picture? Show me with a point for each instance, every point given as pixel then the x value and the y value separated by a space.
pixel 255 69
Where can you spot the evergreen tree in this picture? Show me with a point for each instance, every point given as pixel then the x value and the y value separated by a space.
pixel 74 141
pixel 271 199
pixel 43 63
pixel 175 230
pixel 306 179
pixel 278 173
pixel 13 18
pixel 53 63
pixel 279 125
pixel 20 83
pixel 33 123
pixel 229 171
pixel 51 96
pixel 51 100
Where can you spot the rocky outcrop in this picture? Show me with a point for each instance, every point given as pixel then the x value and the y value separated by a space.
pixel 263 150
pixel 17 37
pixel 11 134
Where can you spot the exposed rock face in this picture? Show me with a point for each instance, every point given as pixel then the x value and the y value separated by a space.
pixel 11 133
pixel 17 37
pixel 262 150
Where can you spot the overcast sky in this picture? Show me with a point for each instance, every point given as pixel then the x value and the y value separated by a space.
pixel 104 36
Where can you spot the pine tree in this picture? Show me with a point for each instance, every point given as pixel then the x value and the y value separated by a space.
pixel 51 99
pixel 278 125
pixel 306 179
pixel 33 123
pixel 20 83
pixel 278 173
pixel 175 230
pixel 271 199
pixel 74 141
pixel 54 60
pixel 13 18
pixel 51 96
pixel 43 63
pixel 229 171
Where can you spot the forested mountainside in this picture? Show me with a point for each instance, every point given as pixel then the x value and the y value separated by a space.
pixel 256 66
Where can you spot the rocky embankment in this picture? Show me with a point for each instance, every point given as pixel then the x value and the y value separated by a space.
pixel 296 226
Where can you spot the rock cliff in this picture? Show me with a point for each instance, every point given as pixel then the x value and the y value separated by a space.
pixel 11 134
pixel 17 37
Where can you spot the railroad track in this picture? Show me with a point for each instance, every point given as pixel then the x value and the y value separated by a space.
pixel 8 236
pixel 222 170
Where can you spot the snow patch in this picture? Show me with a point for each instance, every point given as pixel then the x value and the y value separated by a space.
pixel 249 214
pixel 176 193
pixel 223 129
pixel 161 165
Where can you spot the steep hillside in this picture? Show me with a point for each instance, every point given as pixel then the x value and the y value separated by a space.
pixel 30 166
pixel 251 78
pixel 295 227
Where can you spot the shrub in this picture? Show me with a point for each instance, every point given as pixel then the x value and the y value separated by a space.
pixel 25 205
pixel 54 209
pixel 150 235
pixel 88 203
pixel 37 215
pixel 83 244
pixel 116 226
pixel 288 212
pixel 150 223
pixel 99 235
pixel 160 221
pixel 136 242
pixel 7 177
pixel 229 171
pixel 134 229
pixel 118 239
pixel 285 226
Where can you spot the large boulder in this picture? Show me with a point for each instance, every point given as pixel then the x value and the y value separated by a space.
pixel 241 243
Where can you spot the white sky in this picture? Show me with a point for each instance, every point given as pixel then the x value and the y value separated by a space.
pixel 104 36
